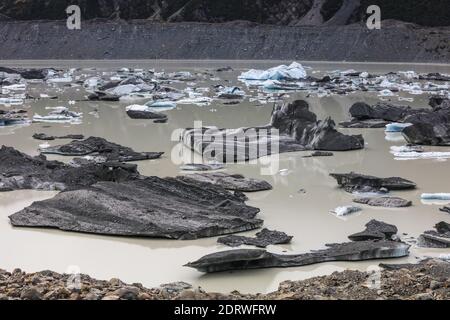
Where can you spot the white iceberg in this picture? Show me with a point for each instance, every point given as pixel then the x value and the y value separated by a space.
pixel 162 105
pixel 397 127
pixel 294 71
pixel 435 196
pixel 59 114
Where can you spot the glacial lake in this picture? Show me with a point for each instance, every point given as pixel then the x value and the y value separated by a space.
pixel 305 216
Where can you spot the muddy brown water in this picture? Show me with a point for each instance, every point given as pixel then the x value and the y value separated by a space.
pixel 306 216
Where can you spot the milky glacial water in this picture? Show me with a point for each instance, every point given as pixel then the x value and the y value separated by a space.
pixel 306 216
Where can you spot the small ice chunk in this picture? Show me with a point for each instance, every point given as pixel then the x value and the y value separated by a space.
pixel 345 210
pixel 444 256
pixel 397 127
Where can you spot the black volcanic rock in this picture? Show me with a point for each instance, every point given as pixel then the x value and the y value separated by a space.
pixel 147 207
pixel 375 230
pixel 263 239
pixel 243 259
pixel 352 182
pixel 234 182
pixel 436 239
pixel 101 147
pixel 387 202
pixel 21 171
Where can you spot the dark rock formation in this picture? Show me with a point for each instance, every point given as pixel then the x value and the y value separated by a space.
pixel 103 148
pixel 375 230
pixel 151 115
pixel 147 207
pixel 445 209
pixel 235 182
pixel 388 202
pixel 27 73
pixel 298 130
pixel 103 96
pixel 436 239
pixel 284 12
pixel 44 136
pixel 428 134
pixel 11 117
pixel 20 171
pixel 355 182
pixel 263 239
pixel 254 259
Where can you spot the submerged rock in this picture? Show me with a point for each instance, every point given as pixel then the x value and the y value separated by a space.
pixel 388 202
pixel 46 137
pixel 148 207
pixel 319 154
pixel 263 239
pixel 375 230
pixel 101 147
pixel 235 182
pixel 27 73
pixel 21 171
pixel 355 182
pixel 242 259
pixel 436 239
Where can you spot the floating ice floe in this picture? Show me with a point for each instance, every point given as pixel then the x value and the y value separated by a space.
pixel 162 105
pixel 122 90
pixel 345 210
pixel 294 71
pixel 59 114
pixel 277 85
pixel 415 153
pixel 397 127
pixel 435 196
pixel 409 75
pixel 11 101
pixel 199 101
pixel 65 79
pixel 15 87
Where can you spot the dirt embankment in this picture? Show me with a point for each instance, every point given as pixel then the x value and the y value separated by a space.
pixel 139 39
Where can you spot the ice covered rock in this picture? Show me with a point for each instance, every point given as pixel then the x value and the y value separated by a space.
pixel 436 239
pixel 242 259
pixel 136 111
pixel 355 182
pixel 235 182
pixel 147 207
pixel 263 239
pixel 101 147
pixel 375 230
pixel 345 211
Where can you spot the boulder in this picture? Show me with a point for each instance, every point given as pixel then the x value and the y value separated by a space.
pixel 355 182
pixel 387 202
pixel 147 207
pixel 375 230
pixel 263 239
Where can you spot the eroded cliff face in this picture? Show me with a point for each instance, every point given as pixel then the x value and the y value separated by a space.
pixel 278 12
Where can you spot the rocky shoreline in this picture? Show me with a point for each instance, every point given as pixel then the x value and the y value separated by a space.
pixel 428 280
pixel 141 39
